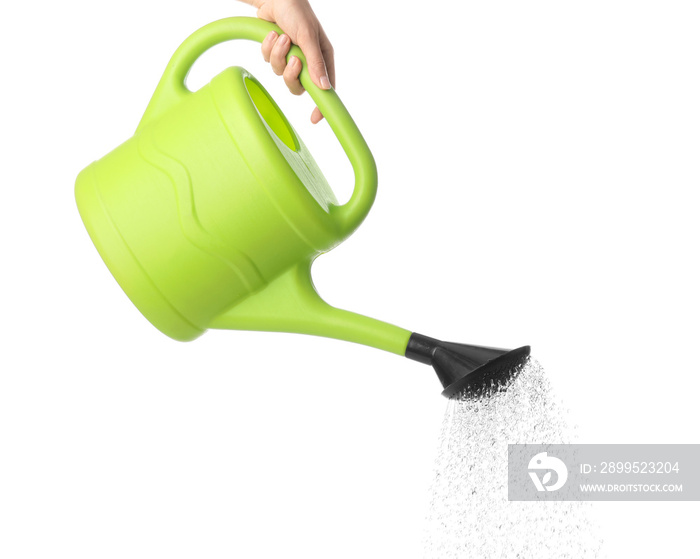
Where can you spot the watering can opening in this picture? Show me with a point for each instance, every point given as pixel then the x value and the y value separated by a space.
pixel 271 114
pixel 278 142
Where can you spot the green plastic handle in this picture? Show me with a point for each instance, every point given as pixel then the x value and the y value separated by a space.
pixel 171 89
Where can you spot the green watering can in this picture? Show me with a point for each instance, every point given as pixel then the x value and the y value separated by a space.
pixel 212 213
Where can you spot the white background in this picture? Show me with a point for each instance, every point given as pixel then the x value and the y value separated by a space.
pixel 538 184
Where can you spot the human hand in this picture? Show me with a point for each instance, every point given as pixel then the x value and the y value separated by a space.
pixel 300 26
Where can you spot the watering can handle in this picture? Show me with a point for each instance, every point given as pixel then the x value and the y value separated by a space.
pixel 171 89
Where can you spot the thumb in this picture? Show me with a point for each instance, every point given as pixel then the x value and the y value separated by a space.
pixel 314 60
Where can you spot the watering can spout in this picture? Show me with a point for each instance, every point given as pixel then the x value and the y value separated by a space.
pixel 290 303
pixel 465 369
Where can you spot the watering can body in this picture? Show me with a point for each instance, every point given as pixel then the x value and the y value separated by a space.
pixel 211 214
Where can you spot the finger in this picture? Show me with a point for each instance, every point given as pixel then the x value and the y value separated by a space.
pixel 328 57
pixel 316 116
pixel 278 56
pixel 267 45
pixel 264 12
pixel 291 76
pixel 309 44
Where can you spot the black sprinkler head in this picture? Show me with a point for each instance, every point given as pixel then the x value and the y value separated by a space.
pixel 464 368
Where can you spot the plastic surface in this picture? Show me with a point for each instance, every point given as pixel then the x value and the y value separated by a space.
pixel 212 213
pixel 464 368
pixel 171 90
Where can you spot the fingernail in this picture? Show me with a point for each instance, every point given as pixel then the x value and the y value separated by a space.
pixel 283 39
pixel 293 60
pixel 271 35
pixel 325 84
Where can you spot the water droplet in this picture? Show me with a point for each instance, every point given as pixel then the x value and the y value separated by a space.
pixel 470 515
